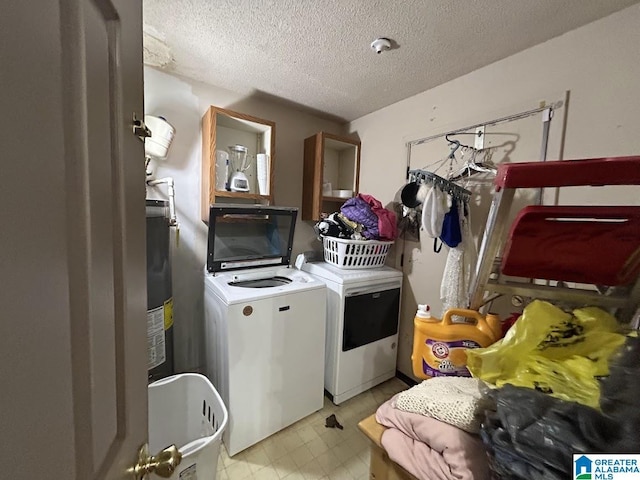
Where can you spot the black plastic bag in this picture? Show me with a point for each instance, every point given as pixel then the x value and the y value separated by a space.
pixel 531 435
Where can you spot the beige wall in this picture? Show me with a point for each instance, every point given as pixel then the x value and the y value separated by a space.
pixel 183 102
pixel 599 64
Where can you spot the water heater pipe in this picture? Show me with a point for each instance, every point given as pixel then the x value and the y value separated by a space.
pixel 171 192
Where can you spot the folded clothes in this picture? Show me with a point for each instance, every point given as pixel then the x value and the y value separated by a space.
pixel 387 223
pixel 337 225
pixel 355 227
pixel 332 227
pixel 378 222
pixel 430 449
pixel 358 210
pixel 458 401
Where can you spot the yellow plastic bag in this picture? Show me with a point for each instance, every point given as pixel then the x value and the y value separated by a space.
pixel 552 351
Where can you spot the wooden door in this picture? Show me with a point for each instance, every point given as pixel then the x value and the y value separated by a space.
pixel 73 330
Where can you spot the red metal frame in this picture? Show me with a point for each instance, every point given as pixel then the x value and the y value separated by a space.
pixel 579 244
pixel 569 173
pixel 592 244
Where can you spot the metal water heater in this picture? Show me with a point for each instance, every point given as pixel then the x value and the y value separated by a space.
pixel 161 215
pixel 159 293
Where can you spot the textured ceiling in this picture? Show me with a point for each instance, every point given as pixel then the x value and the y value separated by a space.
pixel 316 53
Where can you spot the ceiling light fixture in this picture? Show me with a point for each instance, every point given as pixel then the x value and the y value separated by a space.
pixel 380 45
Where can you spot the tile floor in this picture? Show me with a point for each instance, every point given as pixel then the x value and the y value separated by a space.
pixel 307 450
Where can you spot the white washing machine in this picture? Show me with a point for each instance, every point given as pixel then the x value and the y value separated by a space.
pixel 363 309
pixel 264 323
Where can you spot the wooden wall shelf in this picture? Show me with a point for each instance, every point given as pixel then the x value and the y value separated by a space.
pixel 253 196
pixel 335 199
pixel 222 128
pixel 331 159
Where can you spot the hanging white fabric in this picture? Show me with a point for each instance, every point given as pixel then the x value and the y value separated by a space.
pixel 454 289
pixel 434 208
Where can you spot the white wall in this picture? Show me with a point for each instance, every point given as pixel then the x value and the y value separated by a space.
pixel 183 103
pixel 599 64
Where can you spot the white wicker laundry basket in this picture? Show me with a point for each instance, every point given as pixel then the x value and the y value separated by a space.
pixel 187 411
pixel 355 254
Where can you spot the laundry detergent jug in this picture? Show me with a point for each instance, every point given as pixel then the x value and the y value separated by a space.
pixel 439 346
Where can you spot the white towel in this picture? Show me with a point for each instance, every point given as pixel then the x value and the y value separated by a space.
pixel 457 401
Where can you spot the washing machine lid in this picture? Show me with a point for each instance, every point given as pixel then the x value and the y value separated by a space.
pixel 225 285
pixel 249 236
pixel 344 276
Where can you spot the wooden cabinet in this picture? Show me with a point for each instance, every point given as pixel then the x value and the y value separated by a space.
pixel 222 129
pixel 331 173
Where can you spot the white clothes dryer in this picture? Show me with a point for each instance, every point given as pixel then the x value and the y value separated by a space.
pixel 264 323
pixel 363 309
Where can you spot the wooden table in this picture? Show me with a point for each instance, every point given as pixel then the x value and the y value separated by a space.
pixel 381 467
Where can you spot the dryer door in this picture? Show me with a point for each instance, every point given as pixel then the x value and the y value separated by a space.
pixel 370 316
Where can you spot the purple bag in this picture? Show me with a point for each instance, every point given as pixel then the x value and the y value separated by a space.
pixel 359 211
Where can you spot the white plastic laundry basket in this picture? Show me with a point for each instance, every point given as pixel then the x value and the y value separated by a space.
pixel 354 254
pixel 186 410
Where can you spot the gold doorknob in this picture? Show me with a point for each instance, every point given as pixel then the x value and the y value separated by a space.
pixel 163 464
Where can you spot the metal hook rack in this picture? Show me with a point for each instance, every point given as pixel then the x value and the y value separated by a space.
pixel 456 191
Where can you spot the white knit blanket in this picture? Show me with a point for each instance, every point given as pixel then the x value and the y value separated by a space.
pixel 457 401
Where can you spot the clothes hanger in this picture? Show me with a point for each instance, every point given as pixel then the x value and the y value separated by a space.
pixel 470 167
pixel 455 141
pixel 437 165
pixel 445 185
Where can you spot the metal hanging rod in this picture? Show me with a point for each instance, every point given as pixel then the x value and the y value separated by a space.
pixel 464 133
pixel 445 185
pixel 496 121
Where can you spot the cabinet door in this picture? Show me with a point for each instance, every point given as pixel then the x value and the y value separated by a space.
pixel 331 173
